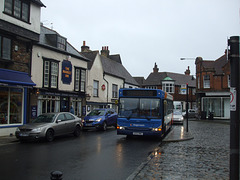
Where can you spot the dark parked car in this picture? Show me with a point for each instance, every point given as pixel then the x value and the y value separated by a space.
pixel 100 119
pixel 50 125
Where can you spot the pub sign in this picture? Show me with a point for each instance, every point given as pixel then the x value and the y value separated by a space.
pixel 66 72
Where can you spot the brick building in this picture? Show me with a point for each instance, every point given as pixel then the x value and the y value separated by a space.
pixel 172 83
pixel 213 87
pixel 19 29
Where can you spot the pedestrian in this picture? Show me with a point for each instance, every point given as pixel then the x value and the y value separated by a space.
pixel 72 110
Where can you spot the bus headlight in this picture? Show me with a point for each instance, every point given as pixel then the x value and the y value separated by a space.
pixel 156 129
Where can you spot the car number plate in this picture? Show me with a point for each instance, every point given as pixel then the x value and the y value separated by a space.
pixel 88 124
pixel 23 134
pixel 137 133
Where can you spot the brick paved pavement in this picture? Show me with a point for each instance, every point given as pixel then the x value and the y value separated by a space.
pixel 206 156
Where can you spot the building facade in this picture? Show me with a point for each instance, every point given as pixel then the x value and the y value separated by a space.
pixel 106 75
pixel 59 72
pixel 19 29
pixel 172 83
pixel 213 87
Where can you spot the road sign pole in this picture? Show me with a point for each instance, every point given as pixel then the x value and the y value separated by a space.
pixel 234 107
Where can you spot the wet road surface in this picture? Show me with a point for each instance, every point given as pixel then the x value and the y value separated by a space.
pixel 94 155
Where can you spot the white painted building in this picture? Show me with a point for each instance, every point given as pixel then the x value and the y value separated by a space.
pixel 106 75
pixel 59 72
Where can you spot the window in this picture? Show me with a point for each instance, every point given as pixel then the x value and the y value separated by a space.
pixel 48 104
pixel 95 88
pixel 114 91
pixel 168 87
pixel 61 43
pixel 80 79
pixel 50 70
pixel 19 9
pixel 5 48
pixel 11 105
pixel 206 81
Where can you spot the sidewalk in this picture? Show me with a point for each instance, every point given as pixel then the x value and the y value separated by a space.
pixel 8 140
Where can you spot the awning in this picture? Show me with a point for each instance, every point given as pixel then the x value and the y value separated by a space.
pixel 15 78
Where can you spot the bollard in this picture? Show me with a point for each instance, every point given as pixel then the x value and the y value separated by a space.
pixel 56 175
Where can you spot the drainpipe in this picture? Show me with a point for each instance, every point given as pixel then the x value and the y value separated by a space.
pixel 107 85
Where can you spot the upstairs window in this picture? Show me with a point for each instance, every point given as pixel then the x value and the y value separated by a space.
pixel 19 9
pixel 50 69
pixel 80 79
pixel 206 81
pixel 95 88
pixel 114 91
pixel 168 87
pixel 61 43
pixel 5 48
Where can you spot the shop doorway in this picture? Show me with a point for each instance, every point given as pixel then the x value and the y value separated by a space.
pixel 65 104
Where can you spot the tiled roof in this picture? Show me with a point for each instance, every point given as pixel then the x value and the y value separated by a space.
pixel 91 55
pixel 216 65
pixel 43 40
pixel 155 79
pixel 114 68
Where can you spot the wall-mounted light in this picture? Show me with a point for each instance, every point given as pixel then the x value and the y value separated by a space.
pixel 16 48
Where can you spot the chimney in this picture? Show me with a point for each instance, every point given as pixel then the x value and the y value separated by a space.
pixel 105 52
pixel 155 69
pixel 187 72
pixel 84 48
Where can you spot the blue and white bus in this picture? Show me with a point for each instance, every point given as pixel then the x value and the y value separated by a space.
pixel 144 112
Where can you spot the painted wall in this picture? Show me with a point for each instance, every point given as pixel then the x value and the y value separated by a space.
pixel 35 14
pixel 37 66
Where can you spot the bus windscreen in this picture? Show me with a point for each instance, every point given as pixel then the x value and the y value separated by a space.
pixel 142 108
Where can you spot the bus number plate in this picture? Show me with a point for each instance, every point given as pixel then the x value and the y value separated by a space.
pixel 137 133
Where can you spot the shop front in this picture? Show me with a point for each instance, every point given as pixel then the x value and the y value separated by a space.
pixel 14 92
pixel 58 101
pixel 216 105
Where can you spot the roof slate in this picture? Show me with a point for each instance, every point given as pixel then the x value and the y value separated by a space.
pixel 43 40
pixel 155 79
pixel 114 68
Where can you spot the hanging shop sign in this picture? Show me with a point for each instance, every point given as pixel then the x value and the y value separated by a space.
pixel 66 72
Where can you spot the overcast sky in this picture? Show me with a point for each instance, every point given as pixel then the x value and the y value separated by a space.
pixel 147 31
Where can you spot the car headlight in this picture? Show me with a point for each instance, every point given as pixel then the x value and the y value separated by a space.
pixel 99 119
pixel 37 129
pixel 181 118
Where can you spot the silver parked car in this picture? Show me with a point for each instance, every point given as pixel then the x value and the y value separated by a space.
pixel 50 125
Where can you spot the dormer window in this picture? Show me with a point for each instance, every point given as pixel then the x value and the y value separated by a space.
pixel 19 9
pixel 61 43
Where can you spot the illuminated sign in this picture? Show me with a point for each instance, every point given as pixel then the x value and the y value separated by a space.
pixel 66 72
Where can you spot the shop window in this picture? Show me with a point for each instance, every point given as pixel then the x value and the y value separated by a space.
pixel 50 70
pixel 95 88
pixel 49 104
pixel 11 109
pixel 80 79
pixel 17 8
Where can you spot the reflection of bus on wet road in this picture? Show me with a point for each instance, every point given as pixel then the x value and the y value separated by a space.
pixel 144 112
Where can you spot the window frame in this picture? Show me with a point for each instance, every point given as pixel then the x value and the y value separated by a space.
pixel 23 11
pixel 206 81
pixel 168 86
pixel 95 89
pixel 50 73
pixel 79 80
pixel 3 45
pixel 114 91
